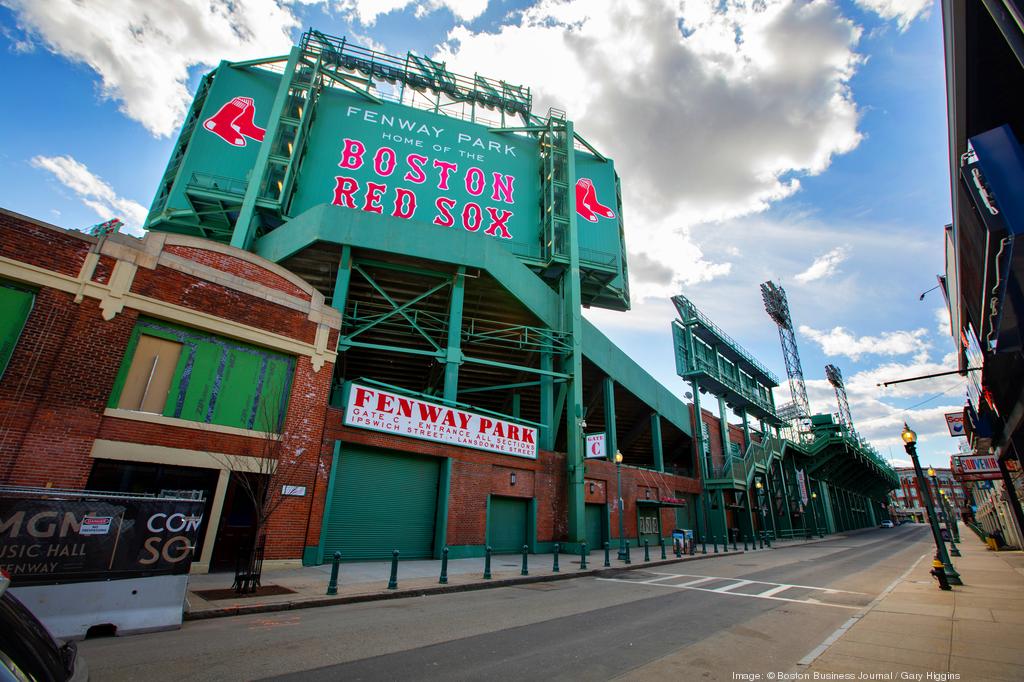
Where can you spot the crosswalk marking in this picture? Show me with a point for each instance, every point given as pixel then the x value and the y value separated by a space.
pixel 698 581
pixel 740 583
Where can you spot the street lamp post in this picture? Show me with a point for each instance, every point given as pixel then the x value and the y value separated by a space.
pixel 953 549
pixel 814 514
pixel 910 445
pixel 619 503
pixel 760 510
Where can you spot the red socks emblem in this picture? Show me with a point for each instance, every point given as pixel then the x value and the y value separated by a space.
pixel 233 123
pixel 587 204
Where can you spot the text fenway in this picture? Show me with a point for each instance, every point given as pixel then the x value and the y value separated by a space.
pixel 379 410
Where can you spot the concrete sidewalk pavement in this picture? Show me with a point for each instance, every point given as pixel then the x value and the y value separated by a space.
pixel 367 581
pixel 973 630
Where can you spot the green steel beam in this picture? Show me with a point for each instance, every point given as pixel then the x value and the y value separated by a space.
pixel 659 456
pixel 453 353
pixel 399 309
pixel 245 228
pixel 499 387
pixel 610 435
pixel 505 365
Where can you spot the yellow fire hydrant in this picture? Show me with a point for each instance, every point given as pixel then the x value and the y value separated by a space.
pixel 940 574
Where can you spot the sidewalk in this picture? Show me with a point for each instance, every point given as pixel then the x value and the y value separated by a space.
pixel 306 587
pixel 974 630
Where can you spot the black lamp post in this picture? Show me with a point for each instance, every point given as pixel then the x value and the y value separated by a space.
pixel 910 445
pixel 953 549
pixel 620 504
pixel 760 509
pixel 814 515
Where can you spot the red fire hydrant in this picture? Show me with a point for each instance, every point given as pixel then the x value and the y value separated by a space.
pixel 940 574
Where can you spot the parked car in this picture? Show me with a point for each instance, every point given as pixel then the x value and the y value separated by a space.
pixel 28 651
pixel 888 524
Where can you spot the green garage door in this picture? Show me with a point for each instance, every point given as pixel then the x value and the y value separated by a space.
pixel 649 524
pixel 382 501
pixel 595 525
pixel 506 530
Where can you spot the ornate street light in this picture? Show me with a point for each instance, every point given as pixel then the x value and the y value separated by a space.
pixel 953 549
pixel 618 493
pixel 910 445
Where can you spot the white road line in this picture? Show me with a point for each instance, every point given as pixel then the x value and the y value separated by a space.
pixel 774 590
pixel 841 630
pixel 655 580
pixel 695 582
pixel 827 590
pixel 740 583
pixel 688 586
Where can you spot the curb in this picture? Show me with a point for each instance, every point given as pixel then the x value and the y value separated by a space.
pixel 229 611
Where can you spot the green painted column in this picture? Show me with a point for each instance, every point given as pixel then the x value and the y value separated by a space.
pixel 872 519
pixel 444 486
pixel 245 226
pixel 705 459
pixel 786 516
pixel 656 446
pixel 547 401
pixel 343 279
pixel 517 401
pixel 572 303
pixel 610 433
pixel 826 507
pixel 723 420
pixel 746 431
pixel 453 353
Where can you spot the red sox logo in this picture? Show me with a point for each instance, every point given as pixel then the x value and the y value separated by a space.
pixel 233 122
pixel 587 204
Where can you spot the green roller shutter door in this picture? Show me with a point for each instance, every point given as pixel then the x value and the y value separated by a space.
pixel 649 525
pixel 595 525
pixel 382 501
pixel 506 531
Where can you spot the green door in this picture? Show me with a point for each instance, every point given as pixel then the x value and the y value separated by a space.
pixel 648 525
pixel 506 528
pixel 595 515
pixel 382 501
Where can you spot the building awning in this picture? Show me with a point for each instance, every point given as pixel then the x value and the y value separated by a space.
pixel 673 502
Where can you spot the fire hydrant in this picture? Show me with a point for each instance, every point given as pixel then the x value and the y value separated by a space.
pixel 940 574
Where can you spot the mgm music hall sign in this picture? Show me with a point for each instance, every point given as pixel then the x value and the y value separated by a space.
pixel 49 540
pixel 381 410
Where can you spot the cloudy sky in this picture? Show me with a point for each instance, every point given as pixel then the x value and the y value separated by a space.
pixel 793 140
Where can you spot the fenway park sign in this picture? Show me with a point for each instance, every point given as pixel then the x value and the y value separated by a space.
pixel 380 410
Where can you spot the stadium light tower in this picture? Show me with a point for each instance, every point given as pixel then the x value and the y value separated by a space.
pixel 777 307
pixel 835 377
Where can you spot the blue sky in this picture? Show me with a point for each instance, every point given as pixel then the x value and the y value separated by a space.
pixel 803 142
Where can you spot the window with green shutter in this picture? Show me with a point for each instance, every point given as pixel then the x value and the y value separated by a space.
pixel 201 377
pixel 15 306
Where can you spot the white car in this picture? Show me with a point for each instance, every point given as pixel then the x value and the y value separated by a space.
pixel 888 524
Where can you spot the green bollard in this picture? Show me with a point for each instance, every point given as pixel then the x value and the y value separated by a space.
pixel 677 548
pixel 714 542
pixel 583 556
pixel 953 550
pixel 554 568
pixel 444 567
pixel 393 581
pixel 744 543
pixel 628 557
pixel 703 545
pixel 761 535
pixel 661 541
pixel 607 556
pixel 647 551
pixel 734 543
pixel 525 571
pixel 487 562
pixel 332 586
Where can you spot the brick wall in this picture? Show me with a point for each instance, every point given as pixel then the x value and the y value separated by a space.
pixel 477 474
pixel 61 375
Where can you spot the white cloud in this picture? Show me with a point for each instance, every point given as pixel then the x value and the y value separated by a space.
pixel 142 50
pixel 717 108
pixel 903 11
pixel 93 191
pixel 942 324
pixel 366 12
pixel 823 266
pixel 838 341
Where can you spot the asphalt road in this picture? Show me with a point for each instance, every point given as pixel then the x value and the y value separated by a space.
pixel 753 612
